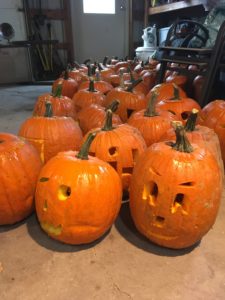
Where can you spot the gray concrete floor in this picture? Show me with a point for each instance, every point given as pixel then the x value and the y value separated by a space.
pixel 123 265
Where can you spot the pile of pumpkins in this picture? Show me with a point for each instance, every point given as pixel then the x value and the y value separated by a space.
pixel 107 131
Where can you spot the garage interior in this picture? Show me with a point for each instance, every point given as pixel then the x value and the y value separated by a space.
pixel 122 264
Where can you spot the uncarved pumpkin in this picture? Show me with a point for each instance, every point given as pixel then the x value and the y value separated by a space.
pixel 20 165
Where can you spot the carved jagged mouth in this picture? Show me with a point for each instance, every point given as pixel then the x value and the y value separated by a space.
pixel 160 236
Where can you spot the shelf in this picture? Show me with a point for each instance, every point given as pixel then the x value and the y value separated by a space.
pixel 175 6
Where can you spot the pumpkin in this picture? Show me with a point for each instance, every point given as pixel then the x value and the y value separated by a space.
pixel 201 135
pixel 20 166
pixel 165 91
pixel 213 116
pixel 69 85
pixel 119 146
pixel 50 134
pixel 152 124
pixel 130 100
pixel 100 85
pixel 140 87
pixel 180 106
pixel 197 86
pixel 61 105
pixel 172 201
pixel 180 80
pixel 78 197
pixel 94 115
pixel 86 97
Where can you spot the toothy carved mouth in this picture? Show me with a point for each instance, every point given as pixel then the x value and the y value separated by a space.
pixel 160 236
pixel 57 230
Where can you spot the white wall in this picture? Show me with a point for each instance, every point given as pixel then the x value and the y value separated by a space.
pixel 14 62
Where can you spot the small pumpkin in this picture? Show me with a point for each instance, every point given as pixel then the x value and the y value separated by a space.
pixel 61 105
pixel 93 116
pixel 50 134
pixel 130 100
pixel 180 106
pixel 172 202
pixel 69 85
pixel 86 97
pixel 20 165
pixel 152 124
pixel 119 146
pixel 78 197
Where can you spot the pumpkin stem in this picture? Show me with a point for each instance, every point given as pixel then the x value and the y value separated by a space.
pixel 97 76
pixel 176 92
pixel 83 153
pixel 57 93
pixel 122 85
pixel 87 61
pixel 48 110
pixel 108 121
pixel 66 74
pixel 182 143
pixel 105 61
pixel 91 86
pixel 131 75
pixel 150 111
pixel 132 86
pixel 113 106
pixel 76 64
pixel 191 121
pixel 89 70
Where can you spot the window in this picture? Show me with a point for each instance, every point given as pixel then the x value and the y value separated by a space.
pixel 99 6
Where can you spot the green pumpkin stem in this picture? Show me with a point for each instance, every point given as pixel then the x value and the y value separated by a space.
pixel 191 121
pixel 83 153
pixel 182 143
pixel 91 86
pixel 97 76
pixel 113 106
pixel 131 75
pixel 108 121
pixel 57 93
pixel 150 111
pixel 105 60
pixel 48 110
pixel 132 86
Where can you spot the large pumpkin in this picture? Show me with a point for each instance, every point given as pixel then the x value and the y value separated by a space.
pixel 120 146
pixel 20 165
pixel 50 135
pixel 61 105
pixel 172 201
pixel 78 197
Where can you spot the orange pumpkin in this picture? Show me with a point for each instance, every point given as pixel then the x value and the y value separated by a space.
pixel 20 166
pixel 213 116
pixel 69 85
pixel 100 85
pixel 50 135
pixel 61 105
pixel 165 91
pixel 152 124
pixel 94 115
pixel 201 135
pixel 172 202
pixel 84 98
pixel 78 197
pixel 119 146
pixel 130 101
pixel 180 106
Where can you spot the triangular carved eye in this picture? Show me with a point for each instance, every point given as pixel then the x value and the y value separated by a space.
pixel 113 164
pixel 179 202
pixel 113 151
pixel 185 115
pixel 150 192
pixel 129 112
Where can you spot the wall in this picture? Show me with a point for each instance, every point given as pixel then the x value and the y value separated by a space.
pixel 14 62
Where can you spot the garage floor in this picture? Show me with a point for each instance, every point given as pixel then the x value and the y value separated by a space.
pixel 122 266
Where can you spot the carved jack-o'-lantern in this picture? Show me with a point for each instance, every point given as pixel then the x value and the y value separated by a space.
pixel 78 196
pixel 120 146
pixel 172 201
